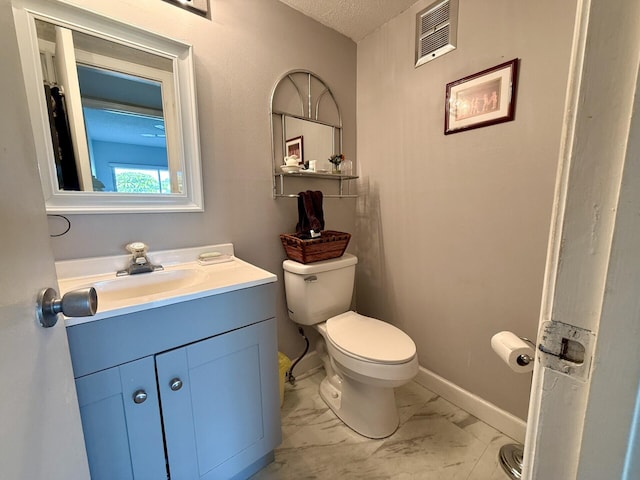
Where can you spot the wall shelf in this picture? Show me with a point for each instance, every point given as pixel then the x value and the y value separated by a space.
pixel 344 181
pixel 305 121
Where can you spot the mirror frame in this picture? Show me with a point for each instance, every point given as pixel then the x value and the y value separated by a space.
pixel 181 54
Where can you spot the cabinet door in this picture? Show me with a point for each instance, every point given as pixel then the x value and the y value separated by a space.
pixel 123 438
pixel 225 414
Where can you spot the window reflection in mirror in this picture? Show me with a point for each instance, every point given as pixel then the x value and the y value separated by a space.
pixel 111 111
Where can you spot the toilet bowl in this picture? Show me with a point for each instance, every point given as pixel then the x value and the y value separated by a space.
pixel 365 359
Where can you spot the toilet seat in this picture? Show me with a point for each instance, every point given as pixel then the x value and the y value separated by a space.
pixel 369 339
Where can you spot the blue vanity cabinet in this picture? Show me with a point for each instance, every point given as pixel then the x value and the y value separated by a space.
pixel 121 422
pixel 209 370
pixel 220 415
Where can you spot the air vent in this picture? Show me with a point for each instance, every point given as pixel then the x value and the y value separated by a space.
pixel 436 30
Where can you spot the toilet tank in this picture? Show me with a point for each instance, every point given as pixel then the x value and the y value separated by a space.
pixel 320 290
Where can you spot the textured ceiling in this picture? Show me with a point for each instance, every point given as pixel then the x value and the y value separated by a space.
pixel 353 18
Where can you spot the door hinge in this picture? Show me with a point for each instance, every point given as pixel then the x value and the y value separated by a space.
pixel 567 349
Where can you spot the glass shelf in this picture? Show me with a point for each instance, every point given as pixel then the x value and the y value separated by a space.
pixel 278 186
pixel 334 176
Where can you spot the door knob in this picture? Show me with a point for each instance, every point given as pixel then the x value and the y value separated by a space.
pixel 77 303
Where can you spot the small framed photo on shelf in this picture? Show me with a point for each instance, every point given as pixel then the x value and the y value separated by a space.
pixel 293 146
pixel 482 99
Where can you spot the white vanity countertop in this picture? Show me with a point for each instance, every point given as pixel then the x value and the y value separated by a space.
pixel 182 279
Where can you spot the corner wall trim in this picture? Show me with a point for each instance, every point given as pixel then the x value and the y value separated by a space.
pixel 499 419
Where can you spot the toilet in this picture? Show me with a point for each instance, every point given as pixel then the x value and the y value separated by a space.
pixel 365 359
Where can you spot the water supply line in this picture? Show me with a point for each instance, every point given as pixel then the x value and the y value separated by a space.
pixel 290 378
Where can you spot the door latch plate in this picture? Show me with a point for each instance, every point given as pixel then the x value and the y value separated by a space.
pixel 566 349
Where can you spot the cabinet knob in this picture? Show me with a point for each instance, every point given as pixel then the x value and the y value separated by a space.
pixel 175 384
pixel 139 396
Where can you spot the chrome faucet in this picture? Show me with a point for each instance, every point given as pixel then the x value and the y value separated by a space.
pixel 139 263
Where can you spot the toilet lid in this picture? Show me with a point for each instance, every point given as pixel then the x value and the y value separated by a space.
pixel 370 339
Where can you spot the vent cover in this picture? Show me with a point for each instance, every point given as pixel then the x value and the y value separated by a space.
pixel 436 30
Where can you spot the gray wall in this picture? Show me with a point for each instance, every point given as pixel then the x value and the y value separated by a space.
pixel 453 229
pixel 240 53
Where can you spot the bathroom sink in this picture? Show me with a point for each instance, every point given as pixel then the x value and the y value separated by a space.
pixel 182 279
pixel 145 284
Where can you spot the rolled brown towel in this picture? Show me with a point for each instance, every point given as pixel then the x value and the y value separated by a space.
pixel 303 222
pixel 316 198
pixel 310 212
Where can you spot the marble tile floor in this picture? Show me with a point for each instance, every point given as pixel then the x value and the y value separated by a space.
pixel 435 441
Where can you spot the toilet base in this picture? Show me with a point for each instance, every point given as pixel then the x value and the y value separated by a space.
pixel 368 410
pixel 331 394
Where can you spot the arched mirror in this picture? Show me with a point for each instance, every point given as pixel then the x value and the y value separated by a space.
pixel 305 121
pixel 113 112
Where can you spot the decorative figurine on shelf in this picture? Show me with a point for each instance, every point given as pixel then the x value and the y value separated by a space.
pixel 336 160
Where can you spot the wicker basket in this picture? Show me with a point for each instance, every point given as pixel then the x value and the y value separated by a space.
pixel 329 245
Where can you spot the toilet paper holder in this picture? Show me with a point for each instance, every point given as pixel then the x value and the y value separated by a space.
pixel 511 455
pixel 524 359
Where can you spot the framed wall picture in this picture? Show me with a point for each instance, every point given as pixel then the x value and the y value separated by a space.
pixel 482 99
pixel 293 146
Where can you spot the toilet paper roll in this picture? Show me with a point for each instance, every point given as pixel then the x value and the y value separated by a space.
pixel 509 347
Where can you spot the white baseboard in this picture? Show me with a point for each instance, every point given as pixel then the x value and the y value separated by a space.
pixel 499 419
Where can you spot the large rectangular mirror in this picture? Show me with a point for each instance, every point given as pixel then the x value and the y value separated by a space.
pixel 113 112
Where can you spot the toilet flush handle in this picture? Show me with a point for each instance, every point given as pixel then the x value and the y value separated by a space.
pixel 311 278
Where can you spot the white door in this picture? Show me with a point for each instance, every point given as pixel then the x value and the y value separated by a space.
pixel 41 434
pixel 581 416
